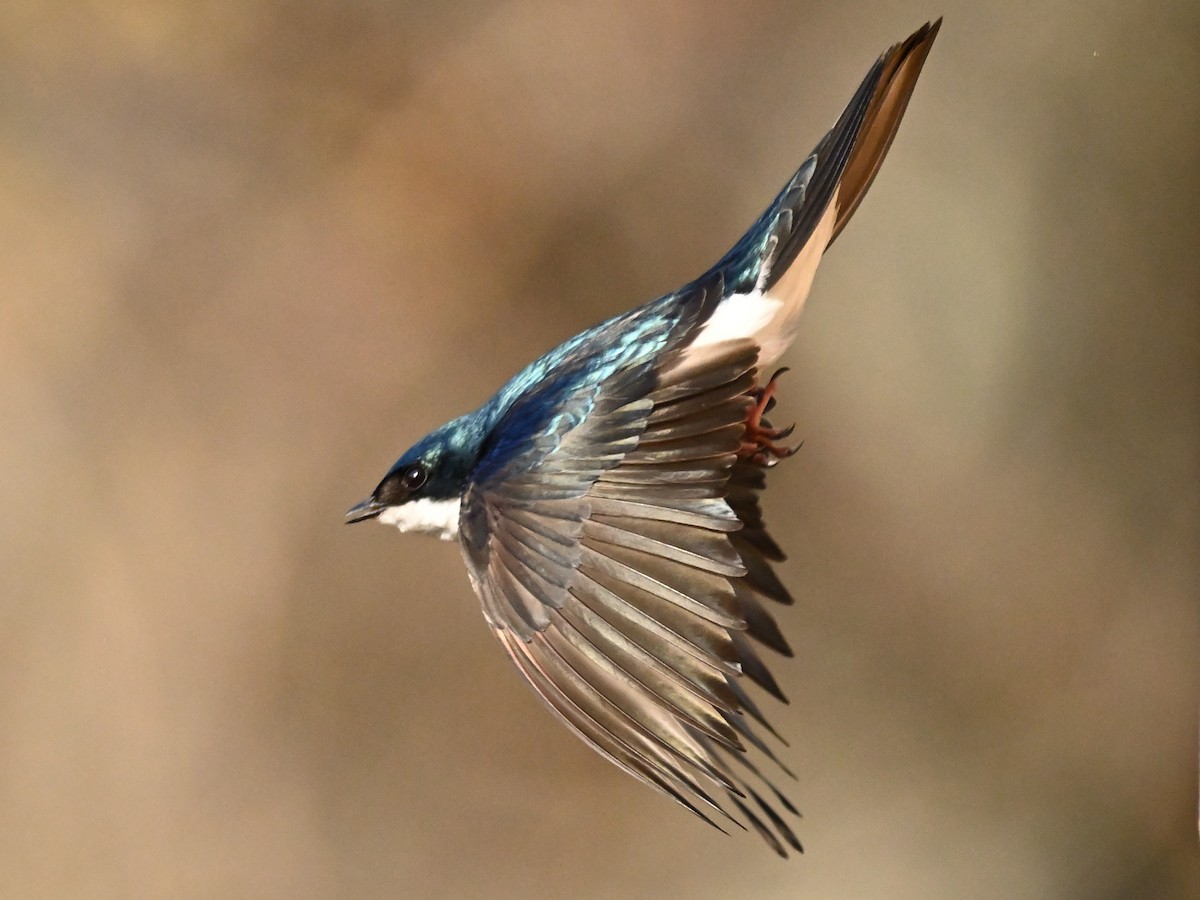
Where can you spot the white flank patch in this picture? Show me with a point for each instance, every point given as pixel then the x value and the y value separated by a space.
pixel 436 517
pixel 738 316
pixel 770 318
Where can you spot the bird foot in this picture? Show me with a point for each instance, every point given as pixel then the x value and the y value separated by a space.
pixel 759 444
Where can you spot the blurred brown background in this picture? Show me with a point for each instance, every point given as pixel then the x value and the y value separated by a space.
pixel 251 250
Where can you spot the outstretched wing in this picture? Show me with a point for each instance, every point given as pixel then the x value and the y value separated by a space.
pixel 624 584
pixel 612 528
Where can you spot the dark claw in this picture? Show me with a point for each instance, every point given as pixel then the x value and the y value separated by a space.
pixel 774 434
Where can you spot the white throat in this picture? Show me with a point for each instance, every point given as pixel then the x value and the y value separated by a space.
pixel 437 517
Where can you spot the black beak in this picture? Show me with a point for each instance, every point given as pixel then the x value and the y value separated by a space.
pixel 368 509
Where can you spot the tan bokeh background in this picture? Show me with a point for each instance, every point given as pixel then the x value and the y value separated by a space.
pixel 251 250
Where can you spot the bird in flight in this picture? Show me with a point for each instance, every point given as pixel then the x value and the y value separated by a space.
pixel 606 499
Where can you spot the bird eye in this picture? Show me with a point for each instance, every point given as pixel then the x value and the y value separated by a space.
pixel 414 477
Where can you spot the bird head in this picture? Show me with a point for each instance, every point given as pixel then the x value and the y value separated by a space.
pixel 423 490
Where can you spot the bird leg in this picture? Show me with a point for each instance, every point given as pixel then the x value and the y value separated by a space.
pixel 759 442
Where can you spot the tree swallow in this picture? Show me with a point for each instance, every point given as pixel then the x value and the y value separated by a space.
pixel 606 499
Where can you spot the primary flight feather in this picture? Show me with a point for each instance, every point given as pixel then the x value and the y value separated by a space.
pixel 606 499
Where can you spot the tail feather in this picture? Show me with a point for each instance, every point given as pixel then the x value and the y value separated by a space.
pixel 769 272
pixel 901 67
pixel 847 159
